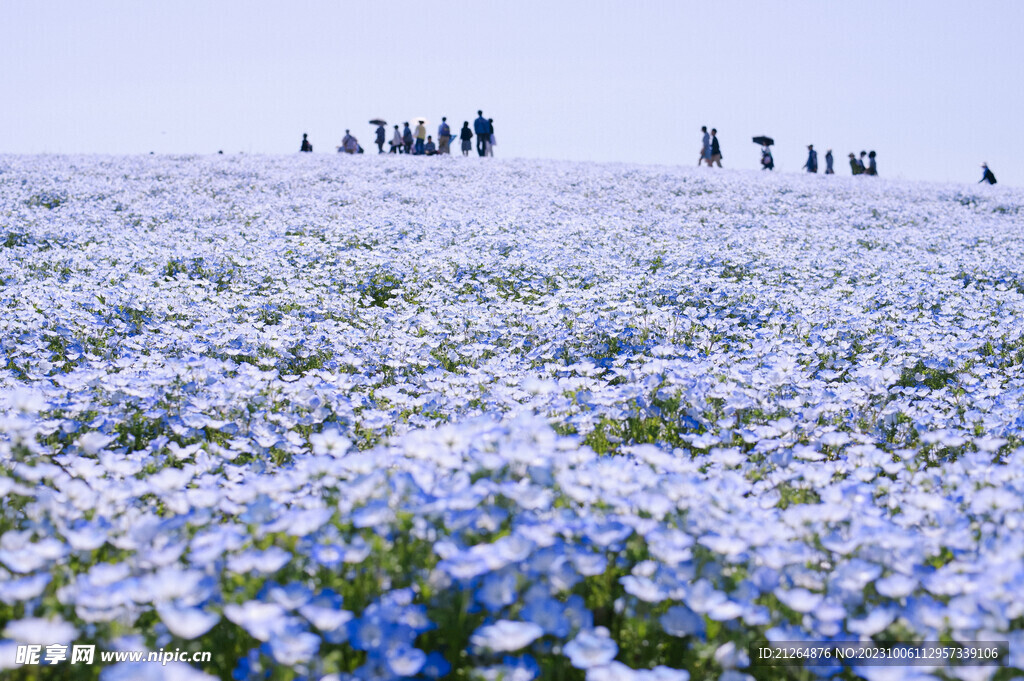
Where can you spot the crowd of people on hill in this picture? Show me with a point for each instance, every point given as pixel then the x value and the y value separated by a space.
pixel 417 142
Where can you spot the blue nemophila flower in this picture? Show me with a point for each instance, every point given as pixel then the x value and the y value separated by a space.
pixel 506 635
pixel 523 668
pixel 498 590
pixel 32 630
pixel 896 585
pixel 404 660
pixel 679 620
pixel 591 648
pixel 798 599
pixel 261 620
pixel 187 623
pixel 23 589
pixel 324 611
pixel 293 646
pixel 616 671
pixel 435 666
pixel 546 612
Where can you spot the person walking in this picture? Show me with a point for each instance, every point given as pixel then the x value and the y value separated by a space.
pixel 444 136
pixel 872 165
pixel 421 137
pixel 767 161
pixel 483 133
pixel 407 138
pixel 306 146
pixel 705 147
pixel 856 167
pixel 812 159
pixel 828 163
pixel 396 142
pixel 988 176
pixel 716 150
pixel 466 135
pixel 381 136
pixel 491 141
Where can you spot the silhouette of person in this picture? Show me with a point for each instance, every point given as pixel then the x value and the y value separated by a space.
pixel 812 159
pixel 988 176
pixel 380 139
pixel 466 135
pixel 767 161
pixel 407 138
pixel 828 163
pixel 872 166
pixel 349 144
pixel 856 167
pixel 421 137
pixel 705 147
pixel 716 150
pixel 396 142
pixel 306 146
pixel 483 133
pixel 490 138
pixel 444 136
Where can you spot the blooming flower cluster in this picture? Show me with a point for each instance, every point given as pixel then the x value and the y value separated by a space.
pixel 346 418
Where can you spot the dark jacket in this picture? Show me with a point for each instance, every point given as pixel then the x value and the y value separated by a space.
pixel 466 133
pixel 407 135
pixel 481 126
pixel 380 134
pixel 989 177
pixel 812 161
pixel 715 149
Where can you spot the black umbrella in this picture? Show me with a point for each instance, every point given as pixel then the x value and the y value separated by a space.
pixel 764 141
pixel 378 121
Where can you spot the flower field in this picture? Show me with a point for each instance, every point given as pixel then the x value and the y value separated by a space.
pixel 402 418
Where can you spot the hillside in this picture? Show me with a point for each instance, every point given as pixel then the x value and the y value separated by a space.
pixel 402 415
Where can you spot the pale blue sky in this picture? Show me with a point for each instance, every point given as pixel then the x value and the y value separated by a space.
pixel 935 87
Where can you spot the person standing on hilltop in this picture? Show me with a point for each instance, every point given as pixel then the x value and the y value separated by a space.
pixel 396 142
pixel 444 136
pixel 767 161
pixel 306 146
pixel 421 137
pixel 716 150
pixel 705 147
pixel 988 176
pixel 380 139
pixel 812 159
pixel 466 135
pixel 856 167
pixel 407 138
pixel 828 163
pixel 872 166
pixel 483 133
pixel 491 141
